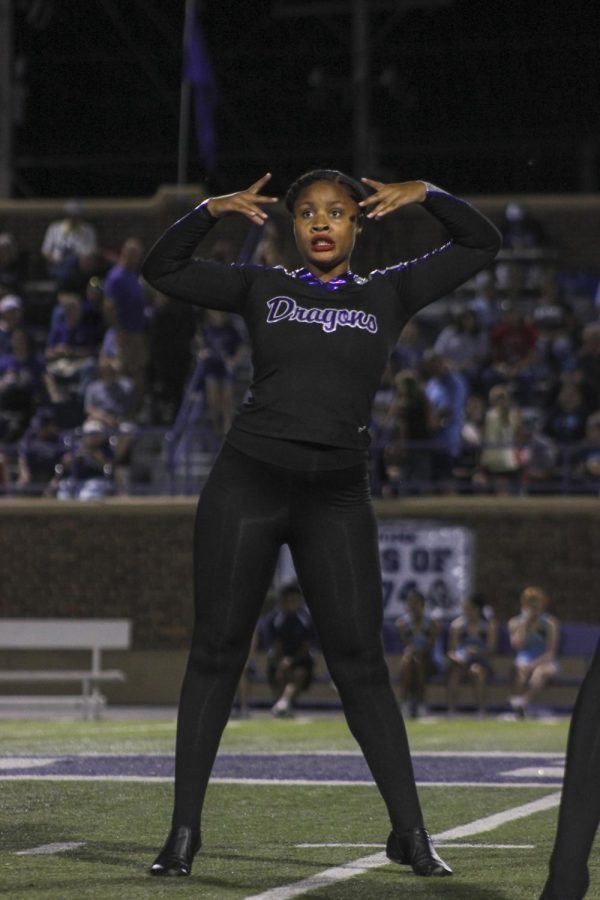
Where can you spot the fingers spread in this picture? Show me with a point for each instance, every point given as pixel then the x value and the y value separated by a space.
pixel 372 183
pixel 254 188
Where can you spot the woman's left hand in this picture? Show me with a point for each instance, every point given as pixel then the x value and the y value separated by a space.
pixel 389 197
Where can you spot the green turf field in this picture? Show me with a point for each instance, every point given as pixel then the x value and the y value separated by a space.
pixel 252 833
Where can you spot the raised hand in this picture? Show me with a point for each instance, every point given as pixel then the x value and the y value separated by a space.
pixel 249 202
pixel 389 197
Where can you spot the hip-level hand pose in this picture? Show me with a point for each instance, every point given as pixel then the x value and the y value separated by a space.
pixel 293 468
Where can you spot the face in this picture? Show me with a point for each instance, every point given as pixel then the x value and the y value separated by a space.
pixel 292 603
pixel 325 228
pixel 132 253
pixel 534 604
pixel 415 603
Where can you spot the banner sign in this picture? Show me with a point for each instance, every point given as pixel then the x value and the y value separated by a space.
pixel 434 558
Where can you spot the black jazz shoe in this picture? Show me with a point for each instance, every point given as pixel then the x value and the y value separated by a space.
pixel 177 855
pixel 414 848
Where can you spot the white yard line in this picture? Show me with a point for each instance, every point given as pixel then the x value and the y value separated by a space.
pixel 277 782
pixel 359 866
pixel 51 849
pixel 461 846
pixel 488 823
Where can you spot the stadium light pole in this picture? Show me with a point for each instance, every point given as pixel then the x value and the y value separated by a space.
pixel 6 98
pixel 362 42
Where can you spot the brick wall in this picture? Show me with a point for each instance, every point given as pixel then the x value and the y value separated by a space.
pixel 132 558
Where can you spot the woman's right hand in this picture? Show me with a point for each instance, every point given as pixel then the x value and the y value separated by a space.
pixel 249 202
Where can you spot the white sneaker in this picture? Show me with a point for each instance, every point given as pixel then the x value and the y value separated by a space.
pixel 281 709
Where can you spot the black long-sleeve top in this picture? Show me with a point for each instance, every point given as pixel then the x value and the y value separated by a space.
pixel 319 349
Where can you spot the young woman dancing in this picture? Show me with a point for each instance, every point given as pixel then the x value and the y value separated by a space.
pixel 293 468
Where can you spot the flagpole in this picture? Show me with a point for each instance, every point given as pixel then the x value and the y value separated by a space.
pixel 183 148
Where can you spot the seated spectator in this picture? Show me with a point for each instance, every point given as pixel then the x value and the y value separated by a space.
pixel 71 350
pixel 418 633
pixel 91 310
pixel 21 385
pixel 171 333
pixel 587 460
pixel 467 468
pixel 447 394
pixel 471 642
pixel 499 459
pixel 125 310
pixel 221 355
pixel 537 455
pixel 78 271
pixel 4 474
pixel 406 455
pixel 41 449
pixel 11 313
pixel 110 401
pixel 464 344
pixel 408 352
pixel 520 229
pixel 566 420
pixel 588 364
pixel 290 635
pixel 554 323
pixel 485 304
pixel 12 265
pixel 512 349
pixel 68 238
pixel 534 636
pixel 86 470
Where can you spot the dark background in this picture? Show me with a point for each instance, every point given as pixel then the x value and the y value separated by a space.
pixel 482 97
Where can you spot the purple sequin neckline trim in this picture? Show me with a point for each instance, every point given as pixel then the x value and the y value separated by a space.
pixel 335 283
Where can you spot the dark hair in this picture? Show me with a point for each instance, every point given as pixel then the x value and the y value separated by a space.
pixel 356 190
pixel 478 600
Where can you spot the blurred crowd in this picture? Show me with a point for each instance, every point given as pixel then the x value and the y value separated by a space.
pixel 467 654
pixel 494 389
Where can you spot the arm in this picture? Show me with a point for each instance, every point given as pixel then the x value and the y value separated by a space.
pixel 552 642
pixel 453 637
pixel 517 632
pixel 492 637
pixel 171 269
pixel 472 244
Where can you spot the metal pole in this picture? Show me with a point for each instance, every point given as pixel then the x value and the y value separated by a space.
pixel 6 98
pixel 360 56
pixel 183 149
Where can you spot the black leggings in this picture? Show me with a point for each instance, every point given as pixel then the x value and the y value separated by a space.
pixel 247 510
pixel 579 813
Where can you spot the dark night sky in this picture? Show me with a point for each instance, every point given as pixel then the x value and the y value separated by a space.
pixel 478 96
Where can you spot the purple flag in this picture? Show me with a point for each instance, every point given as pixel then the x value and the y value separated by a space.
pixel 197 70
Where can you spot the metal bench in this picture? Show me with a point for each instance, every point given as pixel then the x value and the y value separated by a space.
pixel 93 635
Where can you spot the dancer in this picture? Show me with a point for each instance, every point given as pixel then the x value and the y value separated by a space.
pixel 579 812
pixel 293 468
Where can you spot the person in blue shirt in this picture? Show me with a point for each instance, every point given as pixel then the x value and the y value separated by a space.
pixel 471 642
pixel 534 636
pixel 290 635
